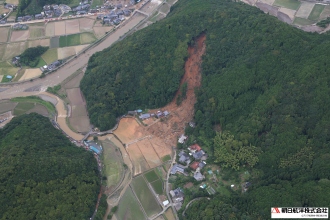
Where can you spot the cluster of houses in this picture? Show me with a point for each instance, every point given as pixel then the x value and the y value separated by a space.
pixel 195 159
pixel 3 120
pixel 51 66
pixel 177 197
pixel 19 26
pixel 159 114
pixel 115 16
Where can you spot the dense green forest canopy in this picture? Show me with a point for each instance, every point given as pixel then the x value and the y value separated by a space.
pixel 43 175
pixel 265 82
pixel 31 56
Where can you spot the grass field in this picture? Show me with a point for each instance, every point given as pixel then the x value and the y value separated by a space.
pixel 151 176
pixel 96 3
pixel 316 12
pixel 4 34
pixel 302 21
pixel 145 196
pixel 54 42
pixel 41 63
pixel 158 186
pixel 87 38
pixel 290 4
pixel 169 214
pixel 6 106
pixel 23 107
pixel 166 158
pixel 70 40
pixel 50 56
pixel 36 32
pixel 112 162
pixel 128 207
pixel 35 100
pixel 7 69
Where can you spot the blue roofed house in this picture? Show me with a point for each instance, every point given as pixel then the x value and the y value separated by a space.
pixel 94 147
pixel 144 116
pixel 184 158
pixel 198 155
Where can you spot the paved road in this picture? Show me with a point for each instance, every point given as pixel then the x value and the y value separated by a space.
pixel 41 84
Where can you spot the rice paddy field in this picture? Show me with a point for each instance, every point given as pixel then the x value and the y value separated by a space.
pixel 151 176
pixel 145 196
pixel 128 207
pixel 299 13
pixel 65 39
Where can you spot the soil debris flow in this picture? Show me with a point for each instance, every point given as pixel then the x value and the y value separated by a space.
pixel 170 129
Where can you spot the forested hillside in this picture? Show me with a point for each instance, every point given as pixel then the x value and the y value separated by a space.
pixel 42 175
pixel 264 82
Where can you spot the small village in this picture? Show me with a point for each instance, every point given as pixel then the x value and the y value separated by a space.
pixel 110 14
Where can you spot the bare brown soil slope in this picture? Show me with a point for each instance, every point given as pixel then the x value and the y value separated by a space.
pixel 171 128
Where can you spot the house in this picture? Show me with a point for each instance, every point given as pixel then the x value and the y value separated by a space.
pixel 116 21
pixel 27 18
pixel 201 165
pixel 165 203
pixel 144 116
pixel 192 124
pixel 3 22
pixel 159 114
pixel 93 10
pixel 106 21
pixel 166 113
pixel 9 6
pixel 132 2
pixel 46 7
pixel 19 19
pixel 81 12
pixel 15 60
pixel 127 12
pixel 53 65
pixel 94 147
pixel 177 197
pixel 55 7
pixel 182 139
pixel 120 12
pixel 132 112
pixel 119 6
pixel 57 12
pixel 177 168
pixel 194 165
pixel 38 16
pixel 193 148
pixel 198 155
pixel 198 176
pixel 49 13
pixel 184 158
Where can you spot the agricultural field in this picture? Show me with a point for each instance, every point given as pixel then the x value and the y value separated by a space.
pixel 149 153
pixel 59 28
pixel 50 56
pixel 86 24
pixel 27 104
pixel 128 207
pixel 169 214
pixel 41 42
pixel 302 21
pixel 31 73
pixel 14 49
pixel 145 196
pixel 290 4
pixel 79 117
pixel 4 31
pixel 70 40
pixel 72 26
pixel 139 162
pixel 87 38
pixel 158 186
pixel 21 35
pixel 7 69
pixel 54 42
pixel 112 162
pixel 305 9
pixel 316 12
pixel 151 176
pixel 6 106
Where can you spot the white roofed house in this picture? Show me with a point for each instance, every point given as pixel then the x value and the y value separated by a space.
pixel 182 139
